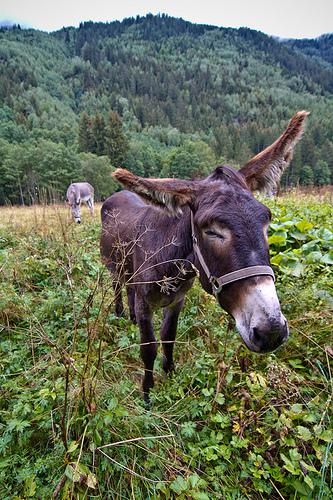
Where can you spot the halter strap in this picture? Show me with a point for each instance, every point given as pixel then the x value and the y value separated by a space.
pixel 218 283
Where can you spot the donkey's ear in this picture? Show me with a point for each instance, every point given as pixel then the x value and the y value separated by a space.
pixel 263 171
pixel 169 193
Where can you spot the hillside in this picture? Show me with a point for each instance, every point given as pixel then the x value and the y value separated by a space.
pixel 175 84
pixel 321 47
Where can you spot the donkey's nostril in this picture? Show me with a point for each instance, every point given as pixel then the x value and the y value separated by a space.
pixel 268 338
pixel 256 335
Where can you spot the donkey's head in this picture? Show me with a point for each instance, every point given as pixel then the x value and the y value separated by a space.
pixel 229 228
pixel 73 199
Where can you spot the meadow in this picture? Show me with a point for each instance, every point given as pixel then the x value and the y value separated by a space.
pixel 227 424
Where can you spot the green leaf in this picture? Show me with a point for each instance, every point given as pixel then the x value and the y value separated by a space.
pixel 314 257
pixel 17 425
pixel 296 407
pixel 188 429
pixel 199 495
pixel 304 225
pixel 277 259
pixel 179 485
pixel 207 392
pixel 325 234
pixel 310 247
pixel 327 258
pixel 278 239
pixel 294 454
pixel 300 487
pixel 221 419
pixel 72 447
pixel 303 433
pixel 97 438
pixel 288 465
pixel 308 481
pixel 297 364
pixel 297 235
pixel 308 467
pixel 293 268
pixel 72 473
pixel 326 435
pixel 220 399
pixel 238 442
pixel 193 480
pixel 30 487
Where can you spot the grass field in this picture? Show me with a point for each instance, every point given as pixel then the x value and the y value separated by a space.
pixel 228 424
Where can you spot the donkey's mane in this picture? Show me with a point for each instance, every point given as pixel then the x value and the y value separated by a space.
pixel 228 175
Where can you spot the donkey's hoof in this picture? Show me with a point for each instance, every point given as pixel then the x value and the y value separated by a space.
pixel 147 401
pixel 133 319
pixel 168 367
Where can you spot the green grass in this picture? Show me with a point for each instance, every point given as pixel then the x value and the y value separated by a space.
pixel 228 424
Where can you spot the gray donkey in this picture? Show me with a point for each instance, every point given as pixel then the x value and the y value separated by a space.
pixel 77 192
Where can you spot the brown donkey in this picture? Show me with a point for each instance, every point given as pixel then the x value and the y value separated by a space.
pixel 214 225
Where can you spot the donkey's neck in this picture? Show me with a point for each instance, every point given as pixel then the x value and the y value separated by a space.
pixel 169 244
pixel 178 236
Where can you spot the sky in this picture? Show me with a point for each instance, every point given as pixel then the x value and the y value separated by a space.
pixel 283 18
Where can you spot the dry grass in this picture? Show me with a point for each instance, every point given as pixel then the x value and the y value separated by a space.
pixel 41 218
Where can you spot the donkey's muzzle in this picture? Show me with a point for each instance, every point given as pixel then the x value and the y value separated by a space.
pixel 269 337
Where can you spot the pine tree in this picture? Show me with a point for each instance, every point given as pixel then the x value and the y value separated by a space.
pixel 116 141
pixel 322 174
pixel 99 135
pixel 86 140
pixel 306 176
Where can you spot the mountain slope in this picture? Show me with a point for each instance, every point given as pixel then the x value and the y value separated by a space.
pixel 168 79
pixel 320 48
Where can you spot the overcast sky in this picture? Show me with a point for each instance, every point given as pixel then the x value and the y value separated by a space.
pixel 284 18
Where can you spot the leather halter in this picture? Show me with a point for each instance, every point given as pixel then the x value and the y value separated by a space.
pixel 219 283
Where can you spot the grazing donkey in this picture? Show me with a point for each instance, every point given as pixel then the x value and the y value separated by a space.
pixel 214 225
pixel 77 192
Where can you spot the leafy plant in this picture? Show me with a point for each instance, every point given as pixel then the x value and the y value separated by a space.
pixel 227 424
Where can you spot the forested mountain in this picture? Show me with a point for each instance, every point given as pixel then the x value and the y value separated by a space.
pixel 189 96
pixel 321 47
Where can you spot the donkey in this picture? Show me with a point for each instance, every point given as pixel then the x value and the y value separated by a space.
pixel 77 192
pixel 154 241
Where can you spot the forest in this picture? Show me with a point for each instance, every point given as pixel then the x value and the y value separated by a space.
pixel 158 95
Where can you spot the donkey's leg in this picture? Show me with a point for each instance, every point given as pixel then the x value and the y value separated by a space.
pixel 168 333
pixel 131 303
pixel 90 203
pixel 119 306
pixel 148 347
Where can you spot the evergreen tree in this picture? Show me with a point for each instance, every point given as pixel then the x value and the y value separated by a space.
pixel 306 176
pixel 85 139
pixel 99 135
pixel 116 142
pixel 322 174
pixel 97 170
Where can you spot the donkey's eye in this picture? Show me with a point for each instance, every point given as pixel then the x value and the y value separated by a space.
pixel 213 234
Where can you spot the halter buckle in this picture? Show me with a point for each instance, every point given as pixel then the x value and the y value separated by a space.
pixel 216 287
